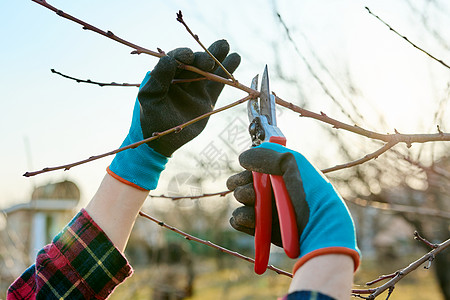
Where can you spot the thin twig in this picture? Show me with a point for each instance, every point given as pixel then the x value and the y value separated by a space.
pixel 360 161
pixel 381 278
pixel 357 201
pixel 434 169
pixel 175 81
pixel 401 208
pixel 156 135
pixel 311 70
pixel 400 274
pixel 406 39
pixel 94 82
pixel 195 36
pixel 210 244
pixel 221 194
pixel 424 240
pixel 391 289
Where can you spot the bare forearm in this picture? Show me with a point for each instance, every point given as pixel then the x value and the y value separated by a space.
pixel 114 208
pixel 330 274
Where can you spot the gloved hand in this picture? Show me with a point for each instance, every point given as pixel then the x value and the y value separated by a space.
pixel 324 223
pixel 161 105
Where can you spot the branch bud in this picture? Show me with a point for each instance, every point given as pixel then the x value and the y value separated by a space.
pixel 179 16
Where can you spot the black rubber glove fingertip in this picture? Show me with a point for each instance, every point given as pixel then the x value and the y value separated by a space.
pixel 184 55
pixel 203 61
pixel 239 179
pixel 261 160
pixel 160 80
pixel 220 49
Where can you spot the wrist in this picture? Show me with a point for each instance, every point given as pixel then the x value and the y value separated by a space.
pixel 328 274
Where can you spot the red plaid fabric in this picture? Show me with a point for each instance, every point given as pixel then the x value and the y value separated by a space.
pixel 80 263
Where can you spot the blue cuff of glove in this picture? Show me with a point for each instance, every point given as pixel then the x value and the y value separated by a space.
pixel 139 167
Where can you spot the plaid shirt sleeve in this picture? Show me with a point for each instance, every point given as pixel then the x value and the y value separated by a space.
pixel 80 263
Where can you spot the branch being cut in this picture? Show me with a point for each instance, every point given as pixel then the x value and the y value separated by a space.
pixel 397 137
pixel 156 135
pixel 210 244
pixel 406 39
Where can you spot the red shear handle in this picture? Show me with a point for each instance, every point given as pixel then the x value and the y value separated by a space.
pixel 263 184
pixel 286 216
pixel 286 213
pixel 263 220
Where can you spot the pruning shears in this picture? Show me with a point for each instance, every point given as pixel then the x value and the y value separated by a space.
pixel 263 128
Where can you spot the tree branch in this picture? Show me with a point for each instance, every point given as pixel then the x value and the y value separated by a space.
pixel 433 168
pixel 401 208
pixel 221 194
pixel 400 274
pixel 101 84
pixel 406 39
pixel 210 244
pixel 311 70
pixel 418 237
pixel 360 161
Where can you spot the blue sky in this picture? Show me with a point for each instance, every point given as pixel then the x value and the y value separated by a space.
pixel 64 121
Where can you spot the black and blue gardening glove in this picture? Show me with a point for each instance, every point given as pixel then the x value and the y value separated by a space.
pixel 324 223
pixel 161 104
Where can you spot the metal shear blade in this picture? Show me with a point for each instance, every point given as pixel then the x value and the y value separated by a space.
pixel 262 115
pixel 267 100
